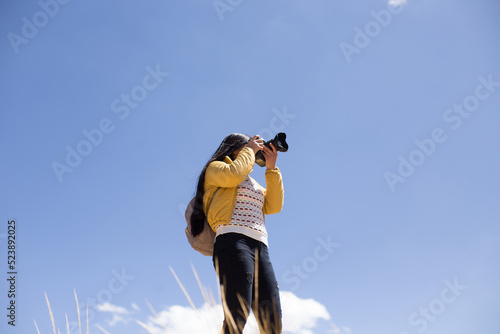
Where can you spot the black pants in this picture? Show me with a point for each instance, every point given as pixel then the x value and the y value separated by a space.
pixel 235 255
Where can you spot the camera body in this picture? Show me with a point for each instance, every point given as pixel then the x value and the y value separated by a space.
pixel 279 142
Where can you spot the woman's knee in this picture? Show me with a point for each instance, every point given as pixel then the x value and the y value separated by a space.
pixel 268 314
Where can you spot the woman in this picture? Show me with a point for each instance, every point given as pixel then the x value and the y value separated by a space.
pixel 235 205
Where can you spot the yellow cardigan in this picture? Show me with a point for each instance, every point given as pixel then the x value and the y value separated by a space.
pixel 227 175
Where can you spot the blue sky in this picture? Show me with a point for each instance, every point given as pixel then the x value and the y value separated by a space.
pixel 391 215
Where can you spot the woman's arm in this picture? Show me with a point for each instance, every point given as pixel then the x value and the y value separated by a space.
pixel 229 175
pixel 274 193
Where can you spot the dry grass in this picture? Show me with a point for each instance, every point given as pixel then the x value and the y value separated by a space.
pixel 208 297
pixel 51 315
pixel 78 311
pixel 66 315
pixel 36 326
pixel 102 329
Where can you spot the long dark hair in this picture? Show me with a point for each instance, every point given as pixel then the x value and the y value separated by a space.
pixel 231 143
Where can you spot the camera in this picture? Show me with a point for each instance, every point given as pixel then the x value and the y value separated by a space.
pixel 279 142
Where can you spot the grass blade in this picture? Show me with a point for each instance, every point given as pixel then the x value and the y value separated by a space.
pixel 102 329
pixel 143 325
pixel 183 289
pixel 78 311
pixel 50 312
pixel 156 316
pixel 36 326
pixel 87 318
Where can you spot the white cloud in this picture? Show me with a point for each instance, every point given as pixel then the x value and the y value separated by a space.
pixel 299 317
pixel 184 319
pixel 336 330
pixel 120 314
pixel 396 3
pixel 135 307
pixel 118 319
pixel 107 307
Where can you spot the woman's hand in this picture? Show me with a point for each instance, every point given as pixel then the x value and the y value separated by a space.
pixel 271 155
pixel 256 143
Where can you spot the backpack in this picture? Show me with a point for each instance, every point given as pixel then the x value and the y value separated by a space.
pixel 203 242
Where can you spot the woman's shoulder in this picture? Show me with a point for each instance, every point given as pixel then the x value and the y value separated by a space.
pixel 224 162
pixel 218 174
pixel 216 165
